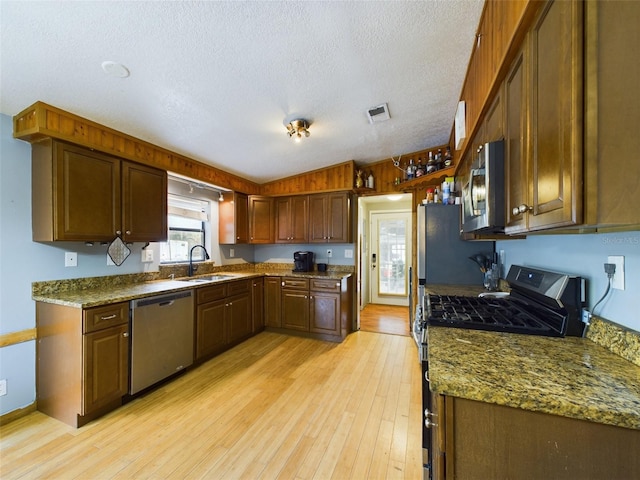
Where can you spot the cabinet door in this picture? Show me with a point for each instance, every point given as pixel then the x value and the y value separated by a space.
pixel 272 302
pixel 233 219
pixel 239 317
pixel 317 219
pixel 515 139
pixel 555 168
pixel 283 220
pixel 105 367
pixel 299 212
pixel 86 193
pixel 324 313
pixel 261 217
pixel 211 335
pixel 257 304
pixel 338 218
pixel 144 203
pixel 295 309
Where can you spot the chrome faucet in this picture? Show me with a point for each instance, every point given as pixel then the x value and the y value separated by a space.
pixel 206 255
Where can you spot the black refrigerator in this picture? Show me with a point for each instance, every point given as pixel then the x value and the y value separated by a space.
pixel 442 256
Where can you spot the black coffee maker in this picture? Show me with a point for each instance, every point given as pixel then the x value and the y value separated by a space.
pixel 303 261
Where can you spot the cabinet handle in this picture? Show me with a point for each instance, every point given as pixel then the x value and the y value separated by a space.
pixel 118 232
pixel 428 423
pixel 128 232
pixel 283 284
pixel 125 334
pixel 521 209
pixel 429 413
pixel 108 317
pixel 426 377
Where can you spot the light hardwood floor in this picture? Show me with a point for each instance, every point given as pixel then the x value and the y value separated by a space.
pixel 275 406
pixel 385 319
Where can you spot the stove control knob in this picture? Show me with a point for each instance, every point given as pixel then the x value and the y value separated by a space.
pixel 428 423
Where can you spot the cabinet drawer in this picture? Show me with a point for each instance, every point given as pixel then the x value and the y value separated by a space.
pixel 295 283
pixel 325 285
pixel 241 286
pixel 214 292
pixel 98 318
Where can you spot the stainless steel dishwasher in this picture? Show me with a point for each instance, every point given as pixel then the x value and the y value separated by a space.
pixel 161 338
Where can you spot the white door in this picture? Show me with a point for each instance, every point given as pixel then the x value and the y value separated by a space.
pixel 390 257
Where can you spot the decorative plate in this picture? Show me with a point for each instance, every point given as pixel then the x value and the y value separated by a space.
pixel 118 251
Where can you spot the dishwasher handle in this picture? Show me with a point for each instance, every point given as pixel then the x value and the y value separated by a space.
pixel 161 300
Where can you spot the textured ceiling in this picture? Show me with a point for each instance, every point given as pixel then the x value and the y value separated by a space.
pixel 217 81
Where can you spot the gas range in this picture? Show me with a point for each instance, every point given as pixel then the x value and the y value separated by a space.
pixel 540 303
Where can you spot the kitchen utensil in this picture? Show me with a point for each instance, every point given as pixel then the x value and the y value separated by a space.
pixel 481 260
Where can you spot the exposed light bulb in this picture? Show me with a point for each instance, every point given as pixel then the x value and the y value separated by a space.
pixel 298 137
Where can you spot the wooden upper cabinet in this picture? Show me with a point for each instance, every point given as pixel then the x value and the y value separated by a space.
pixel 555 142
pixel 292 214
pixel 82 195
pixel 261 217
pixel 144 203
pixel 233 219
pixel 514 145
pixel 330 218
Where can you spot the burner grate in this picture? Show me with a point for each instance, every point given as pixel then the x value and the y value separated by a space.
pixel 486 314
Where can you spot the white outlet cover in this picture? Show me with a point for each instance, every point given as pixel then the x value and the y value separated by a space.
pixel 70 259
pixel 618 277
pixel 348 253
pixel 3 388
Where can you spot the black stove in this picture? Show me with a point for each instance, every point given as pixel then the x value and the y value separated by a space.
pixel 540 303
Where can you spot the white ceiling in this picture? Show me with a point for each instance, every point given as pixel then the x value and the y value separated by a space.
pixel 217 81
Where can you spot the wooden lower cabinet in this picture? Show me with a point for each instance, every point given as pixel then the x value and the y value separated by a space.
pixel 485 440
pixel 224 317
pixel 320 308
pixel 272 302
pixel 257 304
pixel 82 360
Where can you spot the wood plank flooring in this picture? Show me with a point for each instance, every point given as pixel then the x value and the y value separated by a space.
pixel 275 406
pixel 385 319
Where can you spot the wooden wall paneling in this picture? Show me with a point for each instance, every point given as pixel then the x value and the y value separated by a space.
pixel 338 177
pixel 41 121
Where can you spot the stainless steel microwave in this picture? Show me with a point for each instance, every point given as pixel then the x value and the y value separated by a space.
pixel 483 195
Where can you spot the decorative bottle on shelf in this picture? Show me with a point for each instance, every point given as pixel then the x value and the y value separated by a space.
pixel 439 160
pixel 370 180
pixel 420 170
pixel 431 164
pixel 448 159
pixel 411 170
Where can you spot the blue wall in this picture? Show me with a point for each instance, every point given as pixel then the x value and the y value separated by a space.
pixel 585 255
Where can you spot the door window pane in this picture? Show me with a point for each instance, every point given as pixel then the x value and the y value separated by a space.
pixel 392 238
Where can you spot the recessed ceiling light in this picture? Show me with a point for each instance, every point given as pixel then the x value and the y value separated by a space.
pixel 115 69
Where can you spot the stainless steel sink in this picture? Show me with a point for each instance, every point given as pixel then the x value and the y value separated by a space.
pixel 205 279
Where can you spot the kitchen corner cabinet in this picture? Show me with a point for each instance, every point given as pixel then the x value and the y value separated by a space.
pixel 233 219
pixel 330 218
pixel 91 376
pixel 82 195
pixel 261 218
pixel 257 304
pixel 291 219
pixel 223 317
pixel 485 440
pixel 272 302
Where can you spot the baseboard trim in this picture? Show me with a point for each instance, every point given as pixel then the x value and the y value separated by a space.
pixel 19 413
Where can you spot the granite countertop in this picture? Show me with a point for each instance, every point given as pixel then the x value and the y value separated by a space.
pixel 102 292
pixel 572 377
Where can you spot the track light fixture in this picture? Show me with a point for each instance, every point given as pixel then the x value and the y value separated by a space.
pixel 298 128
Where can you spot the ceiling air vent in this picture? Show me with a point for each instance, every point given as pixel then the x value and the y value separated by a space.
pixel 378 114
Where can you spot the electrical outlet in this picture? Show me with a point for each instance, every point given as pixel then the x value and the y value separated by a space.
pixel 348 253
pixel 232 253
pixel 147 255
pixel 70 259
pixel 3 387
pixel 329 253
pixel 617 281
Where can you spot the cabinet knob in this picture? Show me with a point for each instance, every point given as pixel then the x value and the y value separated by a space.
pixel 520 209
pixel 125 334
pixel 283 284
pixel 337 284
pixel 118 232
pixel 128 232
pixel 238 237
pixel 428 423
